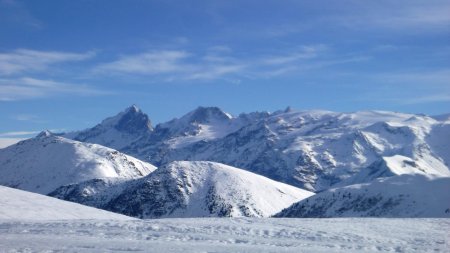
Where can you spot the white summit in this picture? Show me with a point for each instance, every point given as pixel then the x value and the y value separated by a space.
pixel 44 163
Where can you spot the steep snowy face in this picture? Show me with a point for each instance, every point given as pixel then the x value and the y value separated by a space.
pixel 117 132
pixel 22 205
pixel 188 189
pixel 397 196
pixel 43 163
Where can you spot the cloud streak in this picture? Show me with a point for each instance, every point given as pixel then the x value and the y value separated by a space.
pixel 172 65
pixel 216 63
pixel 148 63
pixel 18 133
pixel 408 88
pixel 24 60
pixel 29 88
pixel 10 138
pixel 402 16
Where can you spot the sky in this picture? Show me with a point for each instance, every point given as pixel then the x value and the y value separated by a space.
pixel 66 65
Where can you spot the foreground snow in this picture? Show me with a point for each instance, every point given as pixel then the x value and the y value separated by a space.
pixel 227 235
pixel 17 204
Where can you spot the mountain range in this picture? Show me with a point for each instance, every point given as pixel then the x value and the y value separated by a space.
pixel 314 150
pixel 211 163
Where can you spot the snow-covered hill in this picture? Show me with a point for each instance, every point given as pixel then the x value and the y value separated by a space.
pixel 314 150
pixel 21 205
pixel 397 196
pixel 187 189
pixel 44 163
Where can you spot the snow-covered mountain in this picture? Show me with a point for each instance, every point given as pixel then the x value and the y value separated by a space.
pixel 44 163
pixel 22 205
pixel 117 132
pixel 314 150
pixel 397 196
pixel 187 189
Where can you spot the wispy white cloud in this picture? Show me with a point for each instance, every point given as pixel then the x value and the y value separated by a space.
pixel 220 62
pixel 305 52
pixel 407 16
pixel 427 15
pixel 408 88
pixel 28 88
pixel 157 62
pixel 305 66
pixel 422 78
pixel 25 117
pixel 28 118
pixel 404 16
pixel 25 60
pixel 216 71
pixel 425 99
pixel 18 133
pixel 172 64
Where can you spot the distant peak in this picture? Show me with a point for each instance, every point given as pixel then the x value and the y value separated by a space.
pixel 44 134
pixel 133 108
pixel 288 109
pixel 205 114
pixel 133 120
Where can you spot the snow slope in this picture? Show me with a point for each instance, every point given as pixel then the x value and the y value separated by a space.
pixel 398 196
pixel 314 150
pixel 21 205
pixel 187 189
pixel 228 235
pixel 44 163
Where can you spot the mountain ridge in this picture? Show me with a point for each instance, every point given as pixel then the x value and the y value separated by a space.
pixel 309 149
pixel 187 189
pixel 413 196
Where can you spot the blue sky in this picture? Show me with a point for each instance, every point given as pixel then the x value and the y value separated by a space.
pixel 66 64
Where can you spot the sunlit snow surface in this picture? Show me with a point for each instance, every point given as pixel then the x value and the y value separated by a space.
pixel 227 235
pixel 31 222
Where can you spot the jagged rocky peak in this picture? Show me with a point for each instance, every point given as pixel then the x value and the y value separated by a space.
pixel 207 114
pixel 44 134
pixel 288 109
pixel 133 120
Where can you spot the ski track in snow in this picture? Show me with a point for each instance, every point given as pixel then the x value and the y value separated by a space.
pixel 227 235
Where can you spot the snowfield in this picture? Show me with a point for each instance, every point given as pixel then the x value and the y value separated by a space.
pixel 22 205
pixel 227 235
pixel 31 222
